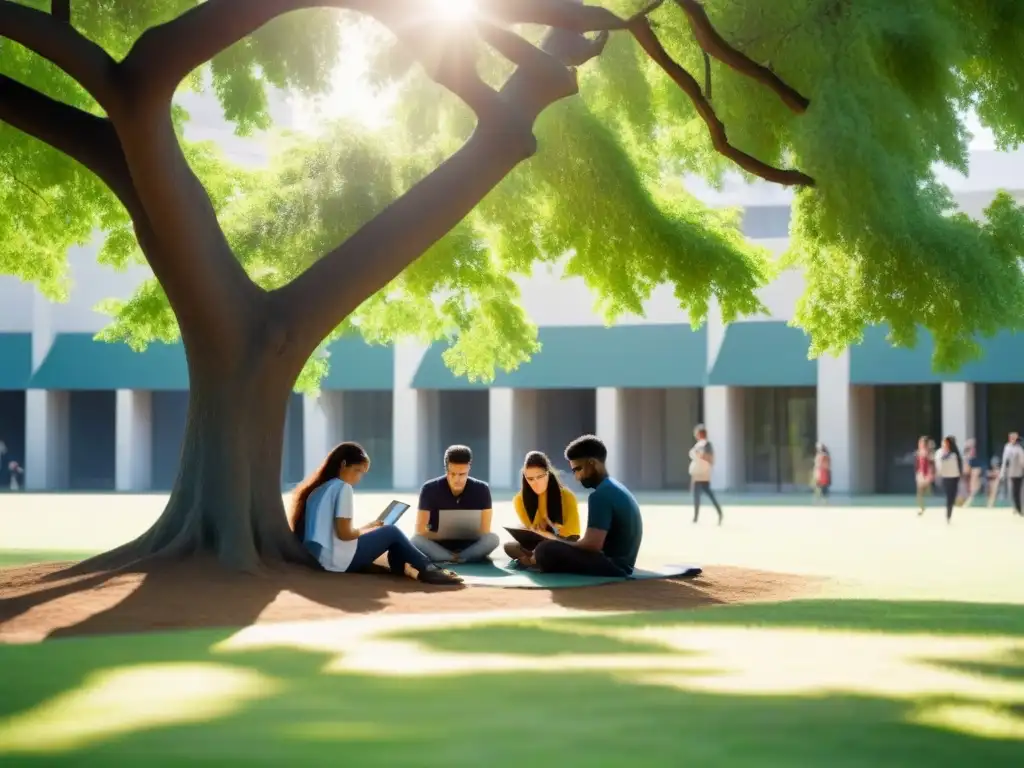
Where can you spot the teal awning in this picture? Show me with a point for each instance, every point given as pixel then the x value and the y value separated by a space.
pixel 15 360
pixel 586 357
pixel 764 354
pixel 876 361
pixel 356 365
pixel 77 361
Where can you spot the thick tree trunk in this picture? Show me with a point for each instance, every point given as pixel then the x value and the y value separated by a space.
pixel 226 500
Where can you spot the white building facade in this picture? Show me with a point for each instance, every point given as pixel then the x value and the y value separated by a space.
pixel 84 415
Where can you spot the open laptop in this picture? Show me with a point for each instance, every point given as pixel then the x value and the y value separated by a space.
pixel 458 524
pixel 392 512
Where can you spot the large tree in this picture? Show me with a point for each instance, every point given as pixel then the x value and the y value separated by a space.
pixel 853 104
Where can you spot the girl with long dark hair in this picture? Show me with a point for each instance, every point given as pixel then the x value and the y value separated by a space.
pixel 543 504
pixel 321 517
pixel 950 466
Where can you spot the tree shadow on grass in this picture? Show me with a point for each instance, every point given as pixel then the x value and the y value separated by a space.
pixel 305 713
pixel 893 617
pixel 197 593
pixel 652 595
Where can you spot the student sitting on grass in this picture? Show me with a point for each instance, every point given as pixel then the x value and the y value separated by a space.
pixel 321 516
pixel 543 504
pixel 614 526
pixel 455 490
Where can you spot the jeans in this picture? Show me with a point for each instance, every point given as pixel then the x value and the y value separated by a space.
pixel 390 539
pixel 472 553
pixel 562 557
pixel 699 487
pixel 950 485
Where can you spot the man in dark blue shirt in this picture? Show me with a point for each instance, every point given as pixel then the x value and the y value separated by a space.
pixel 614 525
pixel 455 489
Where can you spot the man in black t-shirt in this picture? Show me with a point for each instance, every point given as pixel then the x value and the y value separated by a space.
pixel 454 490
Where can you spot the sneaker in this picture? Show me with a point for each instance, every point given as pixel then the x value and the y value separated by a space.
pixel 439 576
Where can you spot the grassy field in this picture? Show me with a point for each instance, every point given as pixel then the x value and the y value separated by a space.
pixel 921 661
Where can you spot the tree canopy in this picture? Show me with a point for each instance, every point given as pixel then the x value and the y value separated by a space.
pixel 852 103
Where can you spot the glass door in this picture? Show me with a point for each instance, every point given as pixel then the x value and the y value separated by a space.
pixel 903 413
pixel 781 428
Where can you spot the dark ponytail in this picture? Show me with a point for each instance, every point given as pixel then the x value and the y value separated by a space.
pixel 342 455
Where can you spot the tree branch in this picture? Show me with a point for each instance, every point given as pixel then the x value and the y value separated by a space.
pixel 332 288
pixel 181 216
pixel 87 139
pixel 164 55
pixel 529 59
pixel 26 186
pixel 451 63
pixel 707 77
pixel 644 35
pixel 93 143
pixel 714 44
pixel 61 10
pixel 568 15
pixel 58 42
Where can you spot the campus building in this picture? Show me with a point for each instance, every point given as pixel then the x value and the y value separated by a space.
pixel 85 415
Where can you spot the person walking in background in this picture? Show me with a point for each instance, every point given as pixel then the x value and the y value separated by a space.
pixel 702 460
pixel 992 480
pixel 975 469
pixel 16 472
pixel 950 466
pixel 1012 467
pixel 822 479
pixel 924 471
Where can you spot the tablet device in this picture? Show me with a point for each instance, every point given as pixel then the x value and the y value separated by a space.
pixel 392 513
pixel 526 538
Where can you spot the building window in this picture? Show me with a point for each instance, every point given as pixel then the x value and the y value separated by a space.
pixel 903 413
pixel 781 429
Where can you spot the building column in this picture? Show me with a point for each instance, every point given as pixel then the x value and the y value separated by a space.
pixel 836 425
pixel 46 440
pixel 846 425
pixel 958 410
pixel 134 428
pixel 723 418
pixel 501 404
pixel 610 426
pixel 411 418
pixel 315 430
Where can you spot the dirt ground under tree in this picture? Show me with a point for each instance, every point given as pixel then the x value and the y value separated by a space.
pixel 40 602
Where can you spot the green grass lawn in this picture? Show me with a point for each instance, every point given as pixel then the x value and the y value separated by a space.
pixel 922 664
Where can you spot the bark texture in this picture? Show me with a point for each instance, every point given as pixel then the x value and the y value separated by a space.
pixel 226 500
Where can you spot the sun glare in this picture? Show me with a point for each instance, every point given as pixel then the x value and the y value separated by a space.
pixel 455 10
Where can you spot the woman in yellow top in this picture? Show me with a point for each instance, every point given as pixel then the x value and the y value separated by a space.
pixel 543 505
